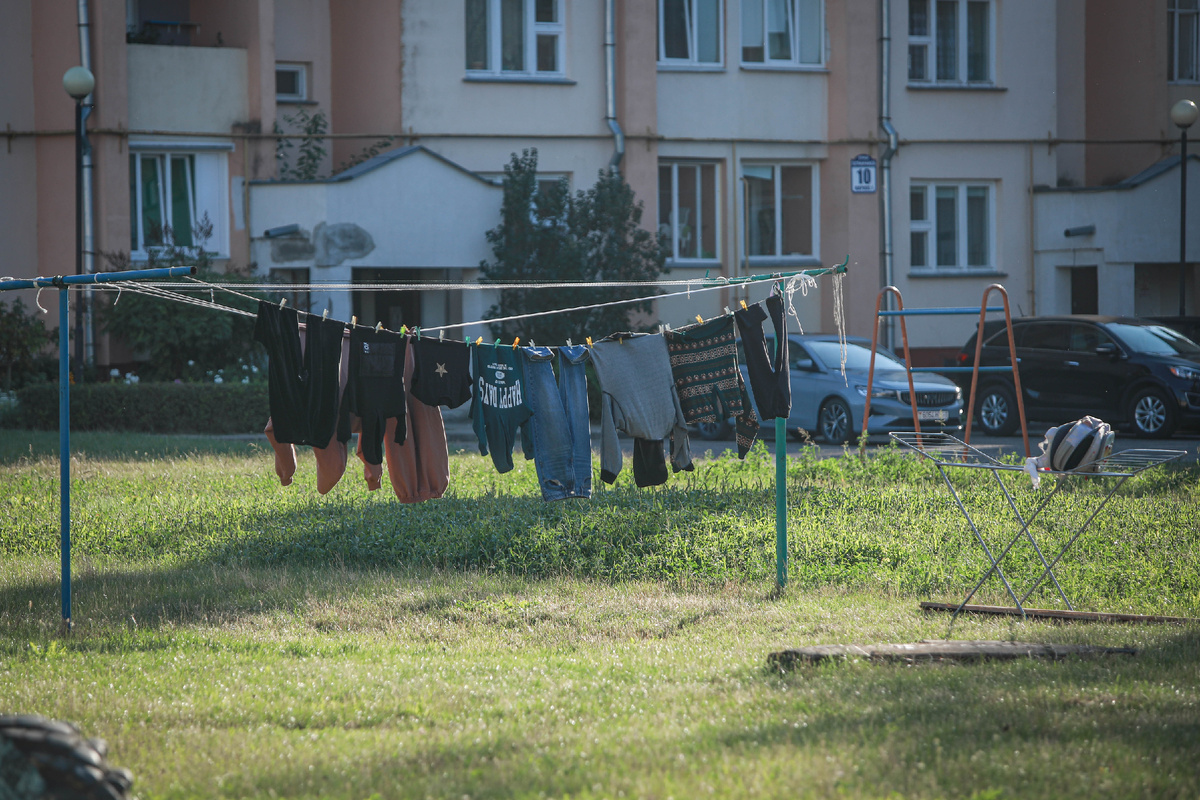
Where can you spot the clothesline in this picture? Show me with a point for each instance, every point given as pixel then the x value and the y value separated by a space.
pixel 799 281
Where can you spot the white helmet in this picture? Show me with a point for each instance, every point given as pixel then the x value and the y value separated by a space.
pixel 1074 447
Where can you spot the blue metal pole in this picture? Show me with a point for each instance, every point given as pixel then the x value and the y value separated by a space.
pixel 780 502
pixel 64 448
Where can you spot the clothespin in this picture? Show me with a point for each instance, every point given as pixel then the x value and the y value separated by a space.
pixel 441 336
pixel 325 313
pixel 743 302
pixel 727 311
pixel 699 318
pixel 589 341
pixel 496 343
pixel 417 331
pixel 403 329
pixel 668 327
pixel 479 340
pixel 282 302
pixel 353 321
pixel 568 343
pixel 378 327
pixel 516 342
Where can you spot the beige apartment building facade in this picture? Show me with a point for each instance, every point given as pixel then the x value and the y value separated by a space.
pixel 992 125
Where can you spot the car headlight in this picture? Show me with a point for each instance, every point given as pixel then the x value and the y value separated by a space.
pixel 877 393
pixel 1186 373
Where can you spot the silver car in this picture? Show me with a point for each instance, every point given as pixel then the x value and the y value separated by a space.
pixel 830 405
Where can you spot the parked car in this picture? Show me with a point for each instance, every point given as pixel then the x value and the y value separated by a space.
pixel 829 405
pixel 1123 370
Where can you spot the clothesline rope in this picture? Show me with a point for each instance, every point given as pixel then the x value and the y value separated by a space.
pixel 801 282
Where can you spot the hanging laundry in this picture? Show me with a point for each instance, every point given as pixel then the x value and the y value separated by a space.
pixel 302 381
pixel 704 365
pixel 499 406
pixel 442 372
pixel 561 431
pixel 375 389
pixel 638 398
pixel 419 469
pixel 771 381
pixel 331 459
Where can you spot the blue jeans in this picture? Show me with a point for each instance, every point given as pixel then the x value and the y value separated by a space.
pixel 562 441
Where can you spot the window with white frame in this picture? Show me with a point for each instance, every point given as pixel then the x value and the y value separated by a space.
pixel 783 32
pixel 781 210
pixel 1183 41
pixel 291 82
pixel 177 199
pixel 689 32
pixel 950 41
pixel 515 38
pixel 687 209
pixel 951 226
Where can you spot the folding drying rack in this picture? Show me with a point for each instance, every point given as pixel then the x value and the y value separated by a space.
pixel 946 451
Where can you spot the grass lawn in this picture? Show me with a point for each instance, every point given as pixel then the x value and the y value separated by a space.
pixel 238 639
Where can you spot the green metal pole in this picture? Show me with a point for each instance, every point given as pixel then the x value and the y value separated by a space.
pixel 780 502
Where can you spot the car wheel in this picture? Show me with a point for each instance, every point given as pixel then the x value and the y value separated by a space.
pixel 712 431
pixel 834 422
pixel 997 412
pixel 1152 414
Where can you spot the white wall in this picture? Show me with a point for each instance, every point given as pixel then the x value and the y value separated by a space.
pixel 194 89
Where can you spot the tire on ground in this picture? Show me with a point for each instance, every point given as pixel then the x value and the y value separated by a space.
pixel 42 757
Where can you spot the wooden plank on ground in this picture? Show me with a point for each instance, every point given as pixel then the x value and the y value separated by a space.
pixel 938 650
pixel 1055 613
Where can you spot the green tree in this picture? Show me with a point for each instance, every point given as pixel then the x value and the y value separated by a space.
pixel 553 236
pixel 22 338
pixel 181 341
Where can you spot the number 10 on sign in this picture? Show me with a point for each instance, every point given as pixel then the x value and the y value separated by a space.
pixel 862 174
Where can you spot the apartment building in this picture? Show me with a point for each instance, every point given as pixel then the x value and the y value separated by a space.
pixel 992 127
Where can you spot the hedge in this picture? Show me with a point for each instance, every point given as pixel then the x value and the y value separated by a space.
pixel 147 407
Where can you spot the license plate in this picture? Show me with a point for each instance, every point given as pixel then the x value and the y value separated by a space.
pixel 931 414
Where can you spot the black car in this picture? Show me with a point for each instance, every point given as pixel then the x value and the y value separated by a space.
pixel 1120 369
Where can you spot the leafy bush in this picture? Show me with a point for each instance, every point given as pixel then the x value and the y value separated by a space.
pixel 147 407
pixel 22 338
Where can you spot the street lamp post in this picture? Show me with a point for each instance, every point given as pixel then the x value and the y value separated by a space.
pixel 1183 114
pixel 79 82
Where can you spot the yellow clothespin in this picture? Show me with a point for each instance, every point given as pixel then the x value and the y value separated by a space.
pixel 479 340
pixel 743 302
pixel 353 321
pixel 589 341
pixel 516 341
pixel 699 318
pixel 378 327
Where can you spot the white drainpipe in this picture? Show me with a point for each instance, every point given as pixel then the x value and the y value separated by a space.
pixel 610 84
pixel 885 160
pixel 89 240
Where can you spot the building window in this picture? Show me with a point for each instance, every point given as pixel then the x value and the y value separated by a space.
pixel 950 41
pixel 176 200
pixel 1183 40
pixel 291 82
pixel 687 209
pixel 782 32
pixel 781 210
pixel 515 37
pixel 950 226
pixel 689 32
